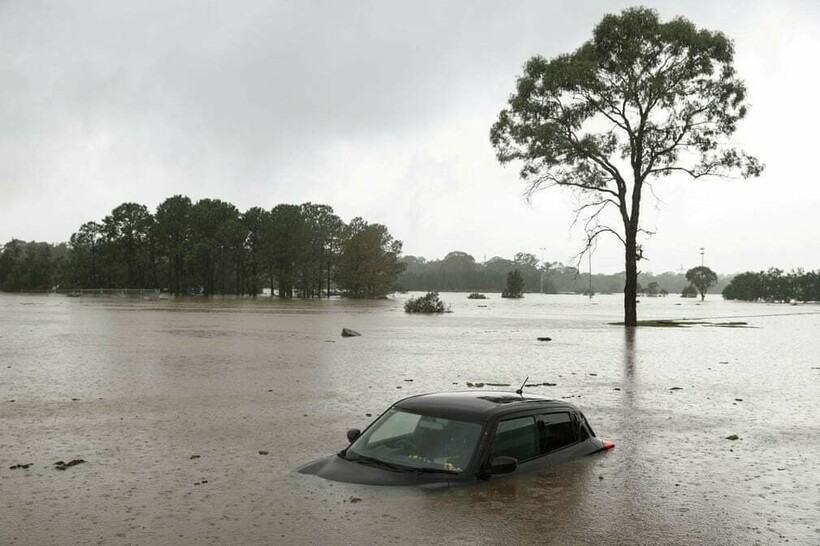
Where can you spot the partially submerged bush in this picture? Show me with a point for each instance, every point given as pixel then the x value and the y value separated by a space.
pixel 429 303
pixel 476 296
pixel 689 291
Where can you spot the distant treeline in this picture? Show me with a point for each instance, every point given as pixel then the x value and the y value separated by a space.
pixel 775 286
pixel 458 271
pixel 31 266
pixel 210 247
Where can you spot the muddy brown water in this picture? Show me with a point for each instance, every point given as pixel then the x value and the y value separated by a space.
pixel 137 388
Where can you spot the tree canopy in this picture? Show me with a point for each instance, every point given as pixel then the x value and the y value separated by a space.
pixel 701 278
pixel 30 265
pixel 368 263
pixel 515 285
pixel 641 100
pixel 210 247
pixel 774 285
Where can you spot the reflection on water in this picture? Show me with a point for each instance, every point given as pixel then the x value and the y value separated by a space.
pixel 192 415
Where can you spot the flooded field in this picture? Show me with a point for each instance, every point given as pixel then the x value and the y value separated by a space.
pixel 173 404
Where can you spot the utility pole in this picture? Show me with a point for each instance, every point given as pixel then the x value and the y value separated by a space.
pixel 590 273
pixel 702 252
pixel 542 268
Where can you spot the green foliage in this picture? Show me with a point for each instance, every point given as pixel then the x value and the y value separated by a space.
pixel 775 286
pixel 476 296
pixel 515 285
pixel 429 303
pixel 216 245
pixel 642 99
pixel 689 291
pixel 701 278
pixel 129 250
pixel 210 247
pixel 424 275
pixel 525 259
pixel 173 239
pixel 31 266
pixel 368 265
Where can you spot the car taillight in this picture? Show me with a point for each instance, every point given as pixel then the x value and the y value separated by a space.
pixel 608 445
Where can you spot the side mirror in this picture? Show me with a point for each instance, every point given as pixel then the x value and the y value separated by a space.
pixel 503 465
pixel 353 434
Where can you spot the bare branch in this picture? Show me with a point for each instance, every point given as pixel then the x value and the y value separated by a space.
pixel 549 180
pixel 601 205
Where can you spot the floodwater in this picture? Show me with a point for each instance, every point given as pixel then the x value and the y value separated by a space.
pixel 136 389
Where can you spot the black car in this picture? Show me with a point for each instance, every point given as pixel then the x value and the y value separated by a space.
pixel 457 437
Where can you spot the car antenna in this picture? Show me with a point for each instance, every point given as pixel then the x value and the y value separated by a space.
pixel 521 390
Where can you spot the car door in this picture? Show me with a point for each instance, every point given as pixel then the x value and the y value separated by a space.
pixel 558 436
pixel 515 436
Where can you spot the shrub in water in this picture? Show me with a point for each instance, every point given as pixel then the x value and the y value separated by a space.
pixel 429 303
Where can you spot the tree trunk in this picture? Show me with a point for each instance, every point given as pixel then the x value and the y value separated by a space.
pixel 328 279
pixel 631 284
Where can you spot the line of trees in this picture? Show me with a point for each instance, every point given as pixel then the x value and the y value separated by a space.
pixel 459 272
pixel 210 247
pixel 30 266
pixel 775 286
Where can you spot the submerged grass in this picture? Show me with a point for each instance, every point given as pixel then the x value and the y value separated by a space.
pixel 683 323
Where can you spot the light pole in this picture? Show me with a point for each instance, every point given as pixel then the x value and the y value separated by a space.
pixel 542 249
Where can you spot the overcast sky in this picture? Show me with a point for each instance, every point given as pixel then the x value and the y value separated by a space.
pixel 381 110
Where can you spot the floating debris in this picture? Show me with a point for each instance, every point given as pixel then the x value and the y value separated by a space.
pixel 733 437
pixel 60 465
pixel 20 466
pixel 347 332
pixel 194 457
pixel 544 338
pixel 263 452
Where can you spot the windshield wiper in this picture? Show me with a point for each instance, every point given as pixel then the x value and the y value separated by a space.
pixel 365 459
pixel 431 470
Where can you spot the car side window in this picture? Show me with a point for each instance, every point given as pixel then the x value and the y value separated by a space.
pixel 516 438
pixel 586 423
pixel 556 431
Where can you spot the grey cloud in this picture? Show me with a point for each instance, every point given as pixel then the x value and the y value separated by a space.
pixel 260 102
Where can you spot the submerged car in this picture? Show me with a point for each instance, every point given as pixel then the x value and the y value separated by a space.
pixel 461 437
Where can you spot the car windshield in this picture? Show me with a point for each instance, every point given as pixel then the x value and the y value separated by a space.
pixel 413 441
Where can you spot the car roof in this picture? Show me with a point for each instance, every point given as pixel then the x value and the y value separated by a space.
pixel 475 405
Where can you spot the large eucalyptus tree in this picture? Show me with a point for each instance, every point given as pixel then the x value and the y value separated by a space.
pixel 641 100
